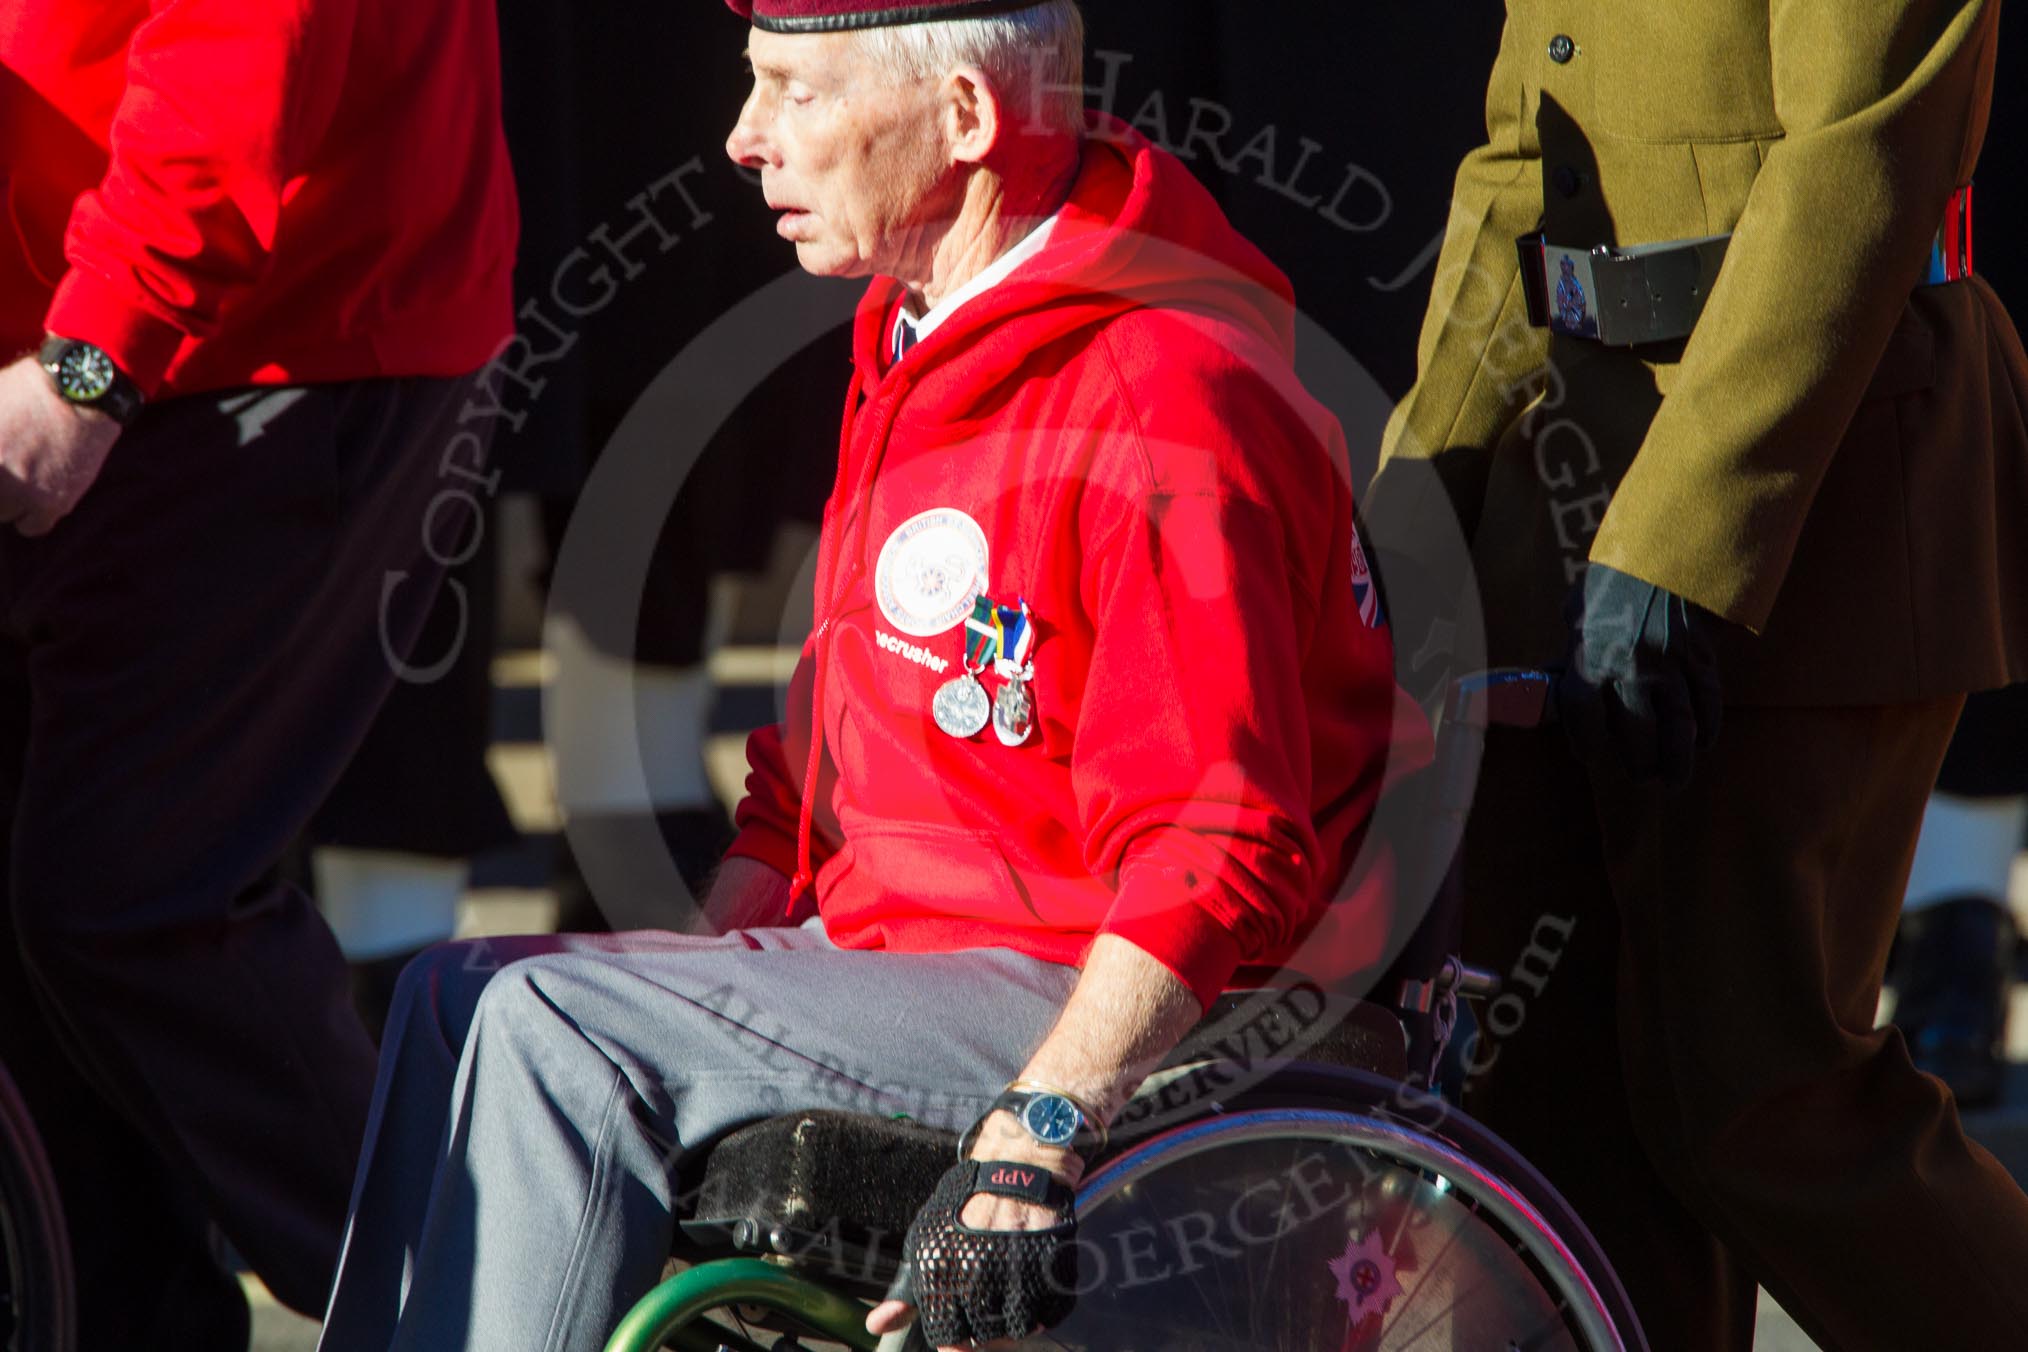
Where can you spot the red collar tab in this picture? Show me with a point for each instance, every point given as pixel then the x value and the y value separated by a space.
pixel 1950 256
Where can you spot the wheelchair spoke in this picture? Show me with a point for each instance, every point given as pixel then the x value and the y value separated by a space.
pixel 1547 1333
pixel 1415 1295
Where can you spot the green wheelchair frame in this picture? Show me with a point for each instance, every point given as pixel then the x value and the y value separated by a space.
pixel 673 1313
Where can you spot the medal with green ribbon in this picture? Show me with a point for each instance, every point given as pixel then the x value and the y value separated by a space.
pixel 962 708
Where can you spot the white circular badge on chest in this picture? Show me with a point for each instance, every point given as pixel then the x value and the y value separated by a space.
pixel 930 572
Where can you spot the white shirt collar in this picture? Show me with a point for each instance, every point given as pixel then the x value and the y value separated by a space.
pixel 1001 268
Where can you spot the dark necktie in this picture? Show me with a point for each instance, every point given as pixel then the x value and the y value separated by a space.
pixel 904 338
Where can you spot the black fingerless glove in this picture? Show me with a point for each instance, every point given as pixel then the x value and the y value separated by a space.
pixel 975 1286
pixel 1640 686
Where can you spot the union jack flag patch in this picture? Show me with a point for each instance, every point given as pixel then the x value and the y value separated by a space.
pixel 1365 594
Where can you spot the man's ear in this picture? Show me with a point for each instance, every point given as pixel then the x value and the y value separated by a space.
pixel 972 115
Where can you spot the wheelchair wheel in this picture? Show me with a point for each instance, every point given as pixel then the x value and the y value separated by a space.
pixel 1322 1210
pixel 1332 1211
pixel 36 1299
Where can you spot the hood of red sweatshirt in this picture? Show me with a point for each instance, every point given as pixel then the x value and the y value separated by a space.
pixel 1138 230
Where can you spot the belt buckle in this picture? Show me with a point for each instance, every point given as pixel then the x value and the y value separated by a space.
pixel 1558 285
pixel 1645 293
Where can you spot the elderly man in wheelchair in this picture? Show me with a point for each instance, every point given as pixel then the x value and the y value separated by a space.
pixel 1090 732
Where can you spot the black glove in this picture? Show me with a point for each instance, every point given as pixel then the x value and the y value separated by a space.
pixel 975 1286
pixel 1640 685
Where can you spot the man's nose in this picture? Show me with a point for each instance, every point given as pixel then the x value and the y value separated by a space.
pixel 746 145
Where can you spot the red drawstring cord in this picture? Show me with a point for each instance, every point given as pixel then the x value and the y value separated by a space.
pixel 806 801
pixel 807 806
pixel 806 809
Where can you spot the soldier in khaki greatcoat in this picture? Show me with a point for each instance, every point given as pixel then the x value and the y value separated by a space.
pixel 1791 485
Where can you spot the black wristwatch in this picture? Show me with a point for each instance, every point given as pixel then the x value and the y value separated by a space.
pixel 87 377
pixel 1052 1118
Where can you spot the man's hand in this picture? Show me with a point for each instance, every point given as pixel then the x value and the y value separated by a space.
pixel 50 449
pixel 1126 1013
pixel 1001 1139
pixel 1020 1267
pixel 1640 686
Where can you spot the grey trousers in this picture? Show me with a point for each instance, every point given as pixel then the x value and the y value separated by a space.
pixel 538 1098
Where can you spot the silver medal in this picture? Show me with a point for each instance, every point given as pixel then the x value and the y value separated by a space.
pixel 1013 713
pixel 961 707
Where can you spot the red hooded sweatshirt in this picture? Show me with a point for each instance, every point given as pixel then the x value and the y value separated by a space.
pixel 1115 436
pixel 230 192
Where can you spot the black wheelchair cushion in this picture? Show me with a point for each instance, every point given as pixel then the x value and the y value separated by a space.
pixel 822 1172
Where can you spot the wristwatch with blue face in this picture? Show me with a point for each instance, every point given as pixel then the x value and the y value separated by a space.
pixel 87 377
pixel 1051 1119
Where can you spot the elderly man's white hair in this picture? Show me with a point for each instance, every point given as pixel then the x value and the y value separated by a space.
pixel 1034 58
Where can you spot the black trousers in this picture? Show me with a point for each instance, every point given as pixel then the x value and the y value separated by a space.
pixel 189 661
pixel 1686 1045
pixel 419 783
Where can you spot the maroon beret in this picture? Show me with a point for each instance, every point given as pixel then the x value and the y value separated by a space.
pixel 831 16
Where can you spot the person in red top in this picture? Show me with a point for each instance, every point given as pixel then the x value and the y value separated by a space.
pixel 1111 438
pixel 1090 728
pixel 253 248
